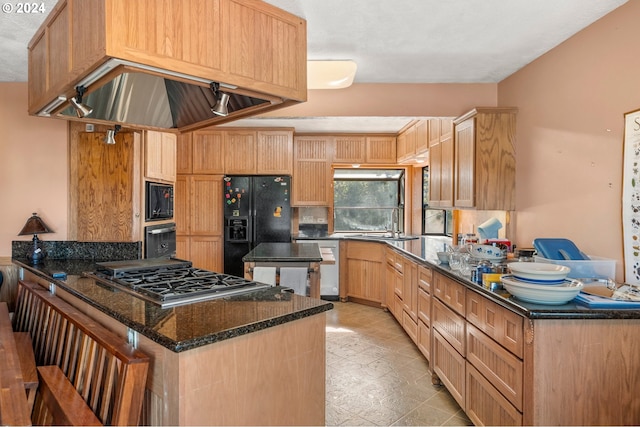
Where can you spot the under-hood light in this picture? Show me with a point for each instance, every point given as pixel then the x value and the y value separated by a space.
pixel 113 63
pixel 46 111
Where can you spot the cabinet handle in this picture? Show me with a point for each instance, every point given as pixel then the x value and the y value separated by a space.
pixel 162 230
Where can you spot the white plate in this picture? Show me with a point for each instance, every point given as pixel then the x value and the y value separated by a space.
pixel 539 271
pixel 542 294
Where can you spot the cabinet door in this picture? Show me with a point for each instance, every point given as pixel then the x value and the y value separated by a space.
pixel 108 188
pixel 464 165
pixel 311 171
pixel 450 325
pixel 275 152
pixel 206 252
pixel 410 288
pixel 407 149
pixel 365 271
pixel 208 152
pixel 184 153
pixel 240 153
pixel 434 131
pixel 182 205
pixel 447 177
pixel 206 205
pixel 449 366
pixel 380 149
pixel 160 156
pixel 435 175
pixel 450 292
pixel 424 339
pixel 349 149
pixel 422 137
pixel 485 405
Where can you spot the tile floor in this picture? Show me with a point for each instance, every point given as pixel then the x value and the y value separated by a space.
pixel 377 376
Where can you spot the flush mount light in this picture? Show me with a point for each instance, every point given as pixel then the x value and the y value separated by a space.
pixel 330 74
pixel 222 101
pixel 110 139
pixel 82 110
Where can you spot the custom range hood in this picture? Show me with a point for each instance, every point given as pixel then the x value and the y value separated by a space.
pixel 168 67
pixel 143 96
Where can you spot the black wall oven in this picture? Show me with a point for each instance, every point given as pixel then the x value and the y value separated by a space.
pixel 160 240
pixel 158 201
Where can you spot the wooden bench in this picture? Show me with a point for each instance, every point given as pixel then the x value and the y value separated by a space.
pixel 14 408
pixel 107 372
pixel 59 403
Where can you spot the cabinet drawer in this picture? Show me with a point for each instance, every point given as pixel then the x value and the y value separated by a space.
pixel 424 339
pixel 425 276
pixel 485 404
pixel 398 308
pixel 450 325
pixel 504 326
pixel 410 326
pixel 500 367
pixel 451 293
pixel 424 306
pixel 450 367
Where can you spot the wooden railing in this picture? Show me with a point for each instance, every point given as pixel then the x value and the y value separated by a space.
pixel 106 371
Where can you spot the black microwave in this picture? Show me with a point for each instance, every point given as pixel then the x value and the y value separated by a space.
pixel 159 201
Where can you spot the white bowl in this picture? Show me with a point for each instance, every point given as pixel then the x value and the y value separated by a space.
pixel 539 272
pixel 489 252
pixel 542 294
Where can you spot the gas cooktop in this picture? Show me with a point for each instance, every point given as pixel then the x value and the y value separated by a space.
pixel 170 282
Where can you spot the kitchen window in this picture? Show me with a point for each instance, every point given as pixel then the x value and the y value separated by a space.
pixel 368 200
pixel 435 221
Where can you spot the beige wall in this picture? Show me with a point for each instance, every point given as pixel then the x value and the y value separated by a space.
pixel 570 135
pixel 33 169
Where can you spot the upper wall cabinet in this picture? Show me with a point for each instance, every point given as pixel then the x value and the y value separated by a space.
pixel 167 54
pixel 312 179
pixel 364 149
pixel 160 156
pixel 274 152
pixel 485 164
pixel 441 162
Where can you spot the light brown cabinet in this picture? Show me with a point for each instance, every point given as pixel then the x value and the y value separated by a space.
pixel 406 144
pixel 198 216
pixel 274 152
pixel 441 161
pixel 484 166
pixel 105 187
pixel 160 156
pixel 78 37
pixel 422 137
pixel 240 156
pixel 425 276
pixel 362 271
pixel 208 152
pixel 380 149
pixel 312 178
pixel 349 149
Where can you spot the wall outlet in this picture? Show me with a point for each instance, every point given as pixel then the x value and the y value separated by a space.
pixel 88 127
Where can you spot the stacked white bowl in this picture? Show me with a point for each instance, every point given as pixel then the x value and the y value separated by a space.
pixel 541 283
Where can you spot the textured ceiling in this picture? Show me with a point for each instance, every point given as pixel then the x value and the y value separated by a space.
pixel 399 41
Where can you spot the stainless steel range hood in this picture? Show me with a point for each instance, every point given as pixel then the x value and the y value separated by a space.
pixel 125 92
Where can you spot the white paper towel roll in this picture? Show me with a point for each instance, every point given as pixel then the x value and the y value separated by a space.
pixel 265 275
pixel 294 278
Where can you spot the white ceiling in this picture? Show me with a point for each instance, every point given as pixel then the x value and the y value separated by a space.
pixel 399 41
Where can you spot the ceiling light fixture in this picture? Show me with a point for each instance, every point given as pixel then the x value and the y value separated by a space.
pixel 330 74
pixel 110 139
pixel 222 101
pixel 82 110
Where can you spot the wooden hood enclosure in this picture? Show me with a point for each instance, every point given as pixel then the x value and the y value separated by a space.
pixel 163 64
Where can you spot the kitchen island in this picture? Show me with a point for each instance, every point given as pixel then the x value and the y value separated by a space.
pixel 256 358
pixel 283 255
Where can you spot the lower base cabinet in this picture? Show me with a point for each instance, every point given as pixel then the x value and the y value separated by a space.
pixel 449 366
pixel 204 252
pixel 485 405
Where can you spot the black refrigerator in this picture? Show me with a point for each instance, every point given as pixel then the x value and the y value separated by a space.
pixel 257 209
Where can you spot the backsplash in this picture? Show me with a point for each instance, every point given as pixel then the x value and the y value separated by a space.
pixel 95 251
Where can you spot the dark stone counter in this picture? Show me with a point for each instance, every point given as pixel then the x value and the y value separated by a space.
pixel 284 252
pixel 194 325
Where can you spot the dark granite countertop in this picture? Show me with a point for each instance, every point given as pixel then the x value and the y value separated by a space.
pixel 424 251
pixel 284 252
pixel 192 325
